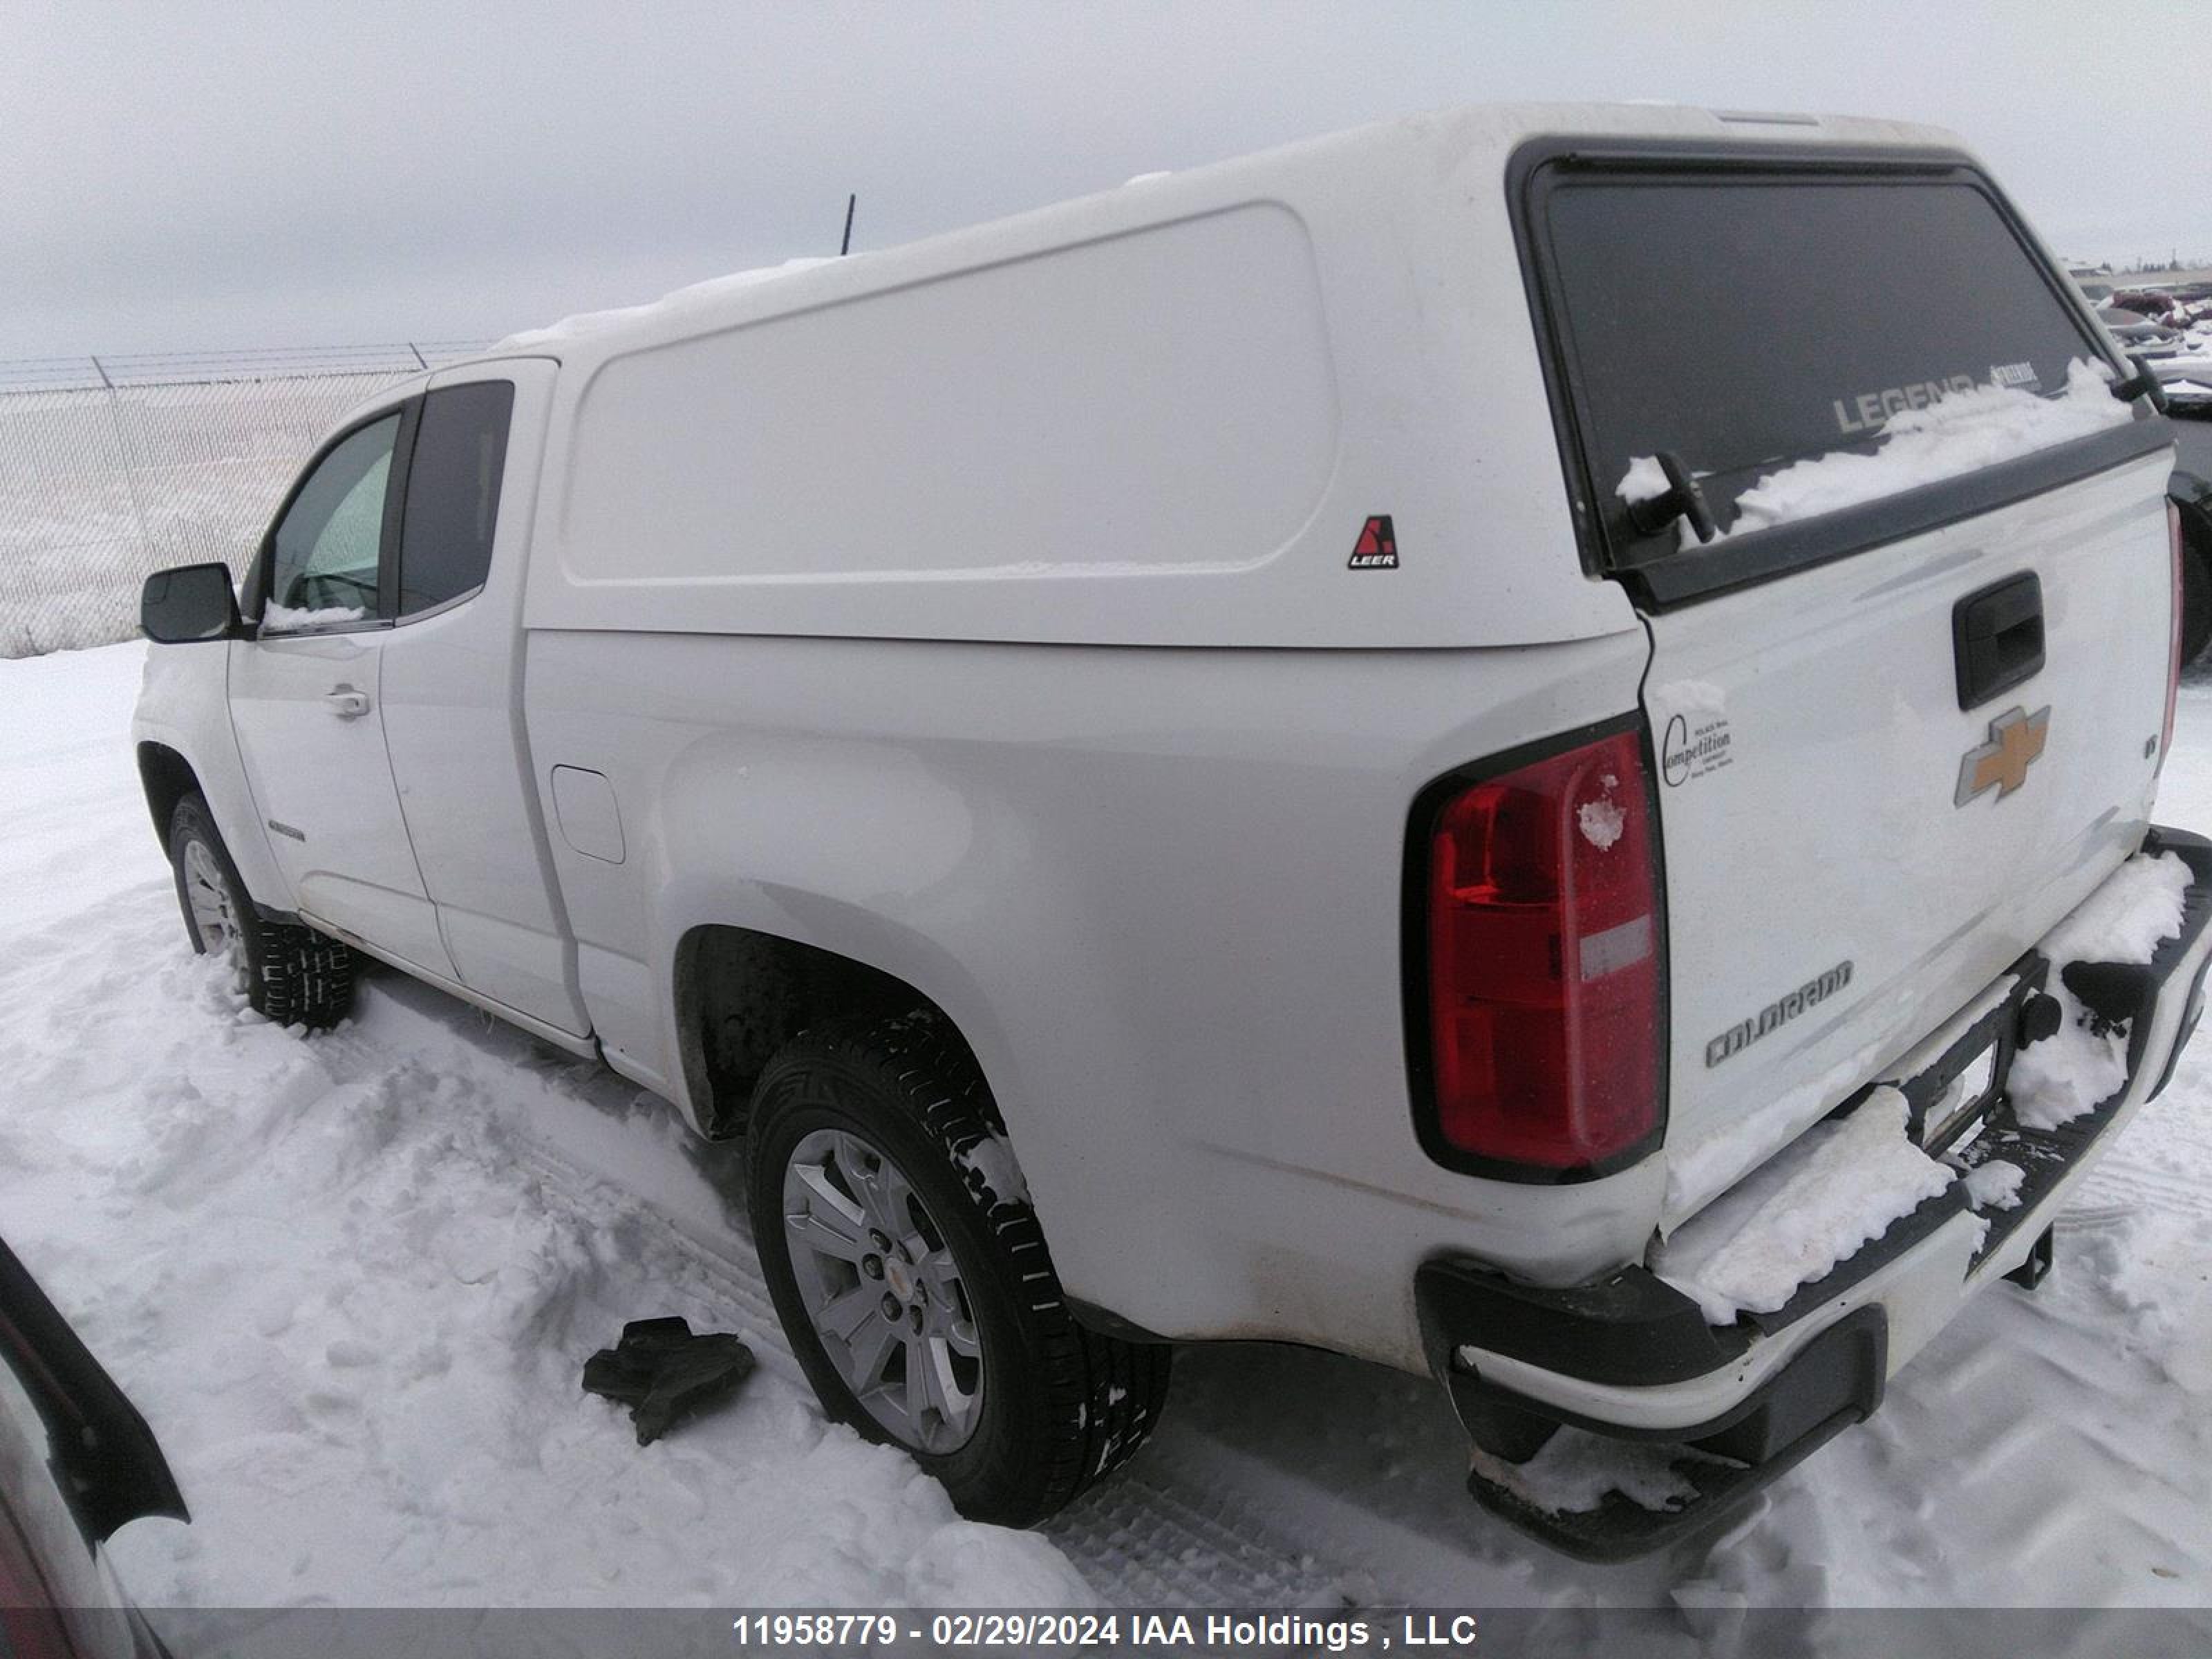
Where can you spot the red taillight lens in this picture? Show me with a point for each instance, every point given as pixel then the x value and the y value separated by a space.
pixel 2173 634
pixel 30 1625
pixel 1543 939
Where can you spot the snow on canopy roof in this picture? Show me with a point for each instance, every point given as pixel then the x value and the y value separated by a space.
pixel 1481 134
pixel 678 302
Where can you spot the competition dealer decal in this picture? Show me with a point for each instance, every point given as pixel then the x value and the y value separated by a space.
pixel 1695 745
pixel 1696 739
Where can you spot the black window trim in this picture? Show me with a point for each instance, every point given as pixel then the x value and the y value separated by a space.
pixel 455 602
pixel 264 558
pixel 1726 566
pixel 395 510
pixel 261 573
pixel 389 573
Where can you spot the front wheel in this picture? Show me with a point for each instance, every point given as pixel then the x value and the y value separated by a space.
pixel 291 974
pixel 913 1280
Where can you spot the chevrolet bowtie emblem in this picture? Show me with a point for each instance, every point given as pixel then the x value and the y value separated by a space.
pixel 2002 763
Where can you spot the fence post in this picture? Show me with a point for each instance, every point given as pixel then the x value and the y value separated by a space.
pixel 146 550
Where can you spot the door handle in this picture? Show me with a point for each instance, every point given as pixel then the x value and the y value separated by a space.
pixel 1997 638
pixel 347 703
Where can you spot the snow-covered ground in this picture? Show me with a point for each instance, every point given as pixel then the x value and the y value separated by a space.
pixel 352 1282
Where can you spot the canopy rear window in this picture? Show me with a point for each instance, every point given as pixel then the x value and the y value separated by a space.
pixel 1744 320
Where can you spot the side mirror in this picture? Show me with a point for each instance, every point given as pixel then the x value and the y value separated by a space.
pixel 192 603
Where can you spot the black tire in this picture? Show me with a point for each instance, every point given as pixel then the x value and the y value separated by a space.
pixel 292 975
pixel 1061 1406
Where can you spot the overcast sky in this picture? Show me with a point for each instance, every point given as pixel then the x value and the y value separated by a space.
pixel 192 174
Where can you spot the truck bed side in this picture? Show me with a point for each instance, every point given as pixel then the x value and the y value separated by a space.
pixel 1159 891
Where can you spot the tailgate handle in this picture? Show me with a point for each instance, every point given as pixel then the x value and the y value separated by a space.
pixel 1997 636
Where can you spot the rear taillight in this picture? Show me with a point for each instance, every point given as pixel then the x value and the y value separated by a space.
pixel 30 1627
pixel 2174 632
pixel 1540 915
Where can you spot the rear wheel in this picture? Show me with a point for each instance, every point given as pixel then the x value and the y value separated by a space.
pixel 291 974
pixel 921 1302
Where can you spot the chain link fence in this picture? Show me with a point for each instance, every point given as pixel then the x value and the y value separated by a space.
pixel 111 468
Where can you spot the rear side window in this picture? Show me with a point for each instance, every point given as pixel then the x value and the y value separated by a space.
pixel 453 494
pixel 1744 322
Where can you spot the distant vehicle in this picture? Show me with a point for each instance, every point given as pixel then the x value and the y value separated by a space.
pixel 1265 755
pixel 76 1462
pixel 2138 333
pixel 2092 284
pixel 2187 380
pixel 2155 304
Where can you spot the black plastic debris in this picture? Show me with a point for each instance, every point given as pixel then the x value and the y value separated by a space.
pixel 664 1374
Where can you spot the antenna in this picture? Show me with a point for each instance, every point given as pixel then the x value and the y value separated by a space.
pixel 851 202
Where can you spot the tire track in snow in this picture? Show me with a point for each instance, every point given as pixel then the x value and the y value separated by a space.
pixel 1263 1483
pixel 2122 1186
pixel 1138 1541
pixel 1283 1478
pixel 1150 1536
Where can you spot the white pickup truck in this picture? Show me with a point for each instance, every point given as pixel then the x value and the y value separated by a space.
pixel 1517 742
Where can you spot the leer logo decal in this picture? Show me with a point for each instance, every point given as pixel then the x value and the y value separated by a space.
pixel 2016 737
pixel 1377 546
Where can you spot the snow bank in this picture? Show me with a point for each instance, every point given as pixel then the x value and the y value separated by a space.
pixel 1953 436
pixel 1957 434
pixel 285 615
pixel 1837 1188
pixel 2072 1071
pixel 352 1285
pixel 2050 1083
pixel 2127 918
pixel 1600 821
pixel 1576 1472
pixel 1644 481
pixel 698 297
pixel 991 1161
pixel 2068 1073
pixel 1710 1163
pixel 1995 1185
pixel 1282 1477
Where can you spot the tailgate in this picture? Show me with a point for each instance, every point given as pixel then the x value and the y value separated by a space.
pixel 1849 438
pixel 1831 897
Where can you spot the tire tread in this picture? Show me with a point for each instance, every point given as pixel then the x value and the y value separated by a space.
pixel 1102 1395
pixel 294 975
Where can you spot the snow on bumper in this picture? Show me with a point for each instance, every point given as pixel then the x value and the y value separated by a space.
pixel 1633 1357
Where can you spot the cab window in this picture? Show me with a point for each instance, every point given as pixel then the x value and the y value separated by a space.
pixel 325 552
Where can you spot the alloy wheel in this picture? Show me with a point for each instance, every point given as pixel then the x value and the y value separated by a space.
pixel 212 915
pixel 883 1292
